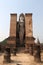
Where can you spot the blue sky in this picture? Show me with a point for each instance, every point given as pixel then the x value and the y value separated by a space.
pixel 21 6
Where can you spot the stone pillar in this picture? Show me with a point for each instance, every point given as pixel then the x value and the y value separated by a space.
pixel 7 55
pixel 12 37
pixel 29 39
pixel 28 25
pixel 13 22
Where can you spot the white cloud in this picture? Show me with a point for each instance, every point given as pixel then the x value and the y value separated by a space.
pixel 2 36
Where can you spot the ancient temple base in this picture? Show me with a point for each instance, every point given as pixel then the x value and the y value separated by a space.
pixel 31 49
pixel 29 44
pixel 11 42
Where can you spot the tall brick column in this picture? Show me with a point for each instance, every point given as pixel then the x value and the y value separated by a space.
pixel 13 22
pixel 12 37
pixel 28 25
pixel 29 39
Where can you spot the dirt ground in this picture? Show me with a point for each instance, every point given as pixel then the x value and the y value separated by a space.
pixel 21 59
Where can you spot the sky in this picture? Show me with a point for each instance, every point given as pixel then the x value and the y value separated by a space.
pixel 21 6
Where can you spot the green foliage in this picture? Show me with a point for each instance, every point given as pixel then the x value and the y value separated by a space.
pixel 4 42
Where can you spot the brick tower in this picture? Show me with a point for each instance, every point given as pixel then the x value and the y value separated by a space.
pixel 11 41
pixel 29 39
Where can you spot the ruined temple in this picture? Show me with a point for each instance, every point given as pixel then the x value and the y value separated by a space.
pixel 21 32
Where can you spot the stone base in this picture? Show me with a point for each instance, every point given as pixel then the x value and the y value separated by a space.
pixel 7 55
pixel 11 43
pixel 29 49
pixel 29 42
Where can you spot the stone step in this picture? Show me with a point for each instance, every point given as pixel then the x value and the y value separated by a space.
pixel 21 49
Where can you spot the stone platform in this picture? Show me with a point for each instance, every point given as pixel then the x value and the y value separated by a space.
pixel 21 59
